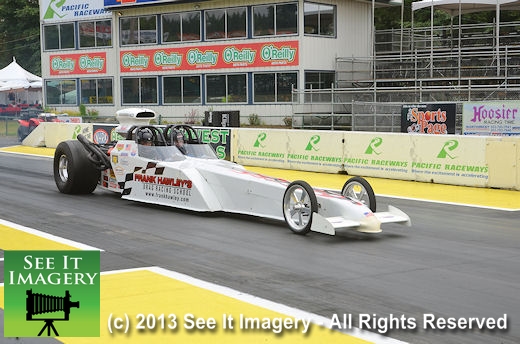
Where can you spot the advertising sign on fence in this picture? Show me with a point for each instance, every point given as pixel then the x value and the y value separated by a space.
pixel 443 159
pixel 494 118
pixel 428 118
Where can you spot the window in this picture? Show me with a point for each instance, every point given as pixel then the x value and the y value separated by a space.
pixel 274 87
pixel 226 23
pixel 96 91
pixel 138 30
pixel 59 92
pixel 60 36
pixel 139 90
pixel 319 19
pixel 181 27
pixel 319 80
pixel 271 20
pixel 181 89
pixel 95 34
pixel 230 88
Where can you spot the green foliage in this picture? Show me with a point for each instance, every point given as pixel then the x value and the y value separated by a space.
pixel 92 113
pixel 8 127
pixel 191 117
pixel 254 120
pixel 20 34
pixel 82 110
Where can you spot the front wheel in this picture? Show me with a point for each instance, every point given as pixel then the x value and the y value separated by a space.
pixel 299 205
pixel 359 189
pixel 74 173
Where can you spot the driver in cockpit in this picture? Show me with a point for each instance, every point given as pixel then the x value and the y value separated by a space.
pixel 178 140
pixel 145 137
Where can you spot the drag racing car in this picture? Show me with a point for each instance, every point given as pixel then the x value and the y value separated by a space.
pixel 170 166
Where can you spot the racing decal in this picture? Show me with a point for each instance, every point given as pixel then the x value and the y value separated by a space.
pixel 108 180
pixel 155 185
pixel 100 136
pixel 118 170
pixel 122 185
pixel 264 177
pixel 331 194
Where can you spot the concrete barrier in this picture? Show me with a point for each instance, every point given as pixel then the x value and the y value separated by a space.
pixel 479 161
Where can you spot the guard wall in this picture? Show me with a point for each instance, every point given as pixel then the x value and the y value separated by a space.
pixel 478 161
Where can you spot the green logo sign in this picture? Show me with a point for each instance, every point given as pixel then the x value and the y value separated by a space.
pixel 260 139
pixel 312 142
pixel 375 143
pixel 77 131
pixel 447 148
pixel 51 293
pixel 53 11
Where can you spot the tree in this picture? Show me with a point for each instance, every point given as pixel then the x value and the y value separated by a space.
pixel 20 34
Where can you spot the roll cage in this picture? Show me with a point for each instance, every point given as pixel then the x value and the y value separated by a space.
pixel 163 148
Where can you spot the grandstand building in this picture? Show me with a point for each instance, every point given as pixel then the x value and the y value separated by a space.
pixel 302 60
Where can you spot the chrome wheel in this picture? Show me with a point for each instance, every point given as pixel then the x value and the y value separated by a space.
pixel 299 203
pixel 360 190
pixel 63 171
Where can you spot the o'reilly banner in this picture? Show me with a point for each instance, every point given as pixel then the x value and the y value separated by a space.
pixel 428 118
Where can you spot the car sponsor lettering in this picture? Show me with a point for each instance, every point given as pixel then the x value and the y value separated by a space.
pixel 146 178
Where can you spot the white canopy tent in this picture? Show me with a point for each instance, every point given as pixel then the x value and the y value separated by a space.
pixel 459 7
pixel 14 80
pixel 456 7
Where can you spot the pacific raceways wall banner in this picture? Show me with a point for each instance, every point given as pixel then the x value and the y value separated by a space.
pixel 445 159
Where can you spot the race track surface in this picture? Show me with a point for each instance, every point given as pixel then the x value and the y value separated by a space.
pixel 456 261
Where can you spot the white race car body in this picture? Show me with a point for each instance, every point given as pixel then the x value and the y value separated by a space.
pixel 192 177
pixel 210 185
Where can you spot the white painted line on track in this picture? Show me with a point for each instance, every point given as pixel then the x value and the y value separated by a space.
pixel 27 154
pixel 48 236
pixel 438 202
pixel 450 203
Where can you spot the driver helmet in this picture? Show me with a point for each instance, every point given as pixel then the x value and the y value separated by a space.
pixel 178 139
pixel 145 136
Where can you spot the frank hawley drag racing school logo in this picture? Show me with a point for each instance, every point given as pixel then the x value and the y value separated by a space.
pixel 51 293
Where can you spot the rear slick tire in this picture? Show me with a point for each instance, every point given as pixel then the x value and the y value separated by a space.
pixel 73 171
